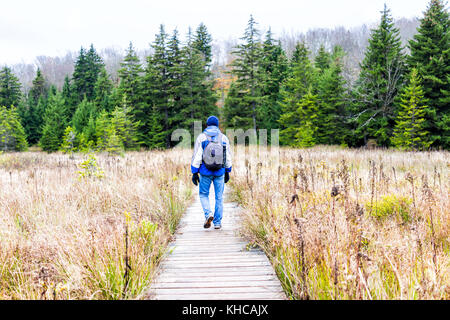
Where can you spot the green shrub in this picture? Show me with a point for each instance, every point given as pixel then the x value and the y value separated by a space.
pixel 390 206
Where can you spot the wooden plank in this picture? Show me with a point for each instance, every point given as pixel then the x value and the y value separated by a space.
pixel 222 273
pixel 214 264
pixel 193 291
pixel 219 278
pixel 217 284
pixel 218 296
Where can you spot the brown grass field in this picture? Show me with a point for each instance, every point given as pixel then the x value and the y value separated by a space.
pixel 68 232
pixel 350 224
pixel 335 223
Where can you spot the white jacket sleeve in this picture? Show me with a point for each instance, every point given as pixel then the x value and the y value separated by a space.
pixel 229 154
pixel 197 156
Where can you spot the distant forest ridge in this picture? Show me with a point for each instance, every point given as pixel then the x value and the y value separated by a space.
pixel 353 40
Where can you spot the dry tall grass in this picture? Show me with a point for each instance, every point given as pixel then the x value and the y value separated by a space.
pixel 350 224
pixel 68 232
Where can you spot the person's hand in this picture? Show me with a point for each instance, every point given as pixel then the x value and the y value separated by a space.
pixel 227 176
pixel 195 178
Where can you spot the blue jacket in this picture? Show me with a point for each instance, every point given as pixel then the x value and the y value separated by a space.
pixel 200 144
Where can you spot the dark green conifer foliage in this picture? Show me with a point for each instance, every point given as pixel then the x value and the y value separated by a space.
pixel 235 116
pixel 297 84
pixel 84 112
pixel 175 82
pixel 130 75
pixel 130 89
pixel 322 61
pixel 202 43
pixel 102 90
pixel 12 134
pixel 332 101
pixel 246 67
pixel 87 69
pixel 430 54
pixel 308 112
pixel 409 131
pixel 156 88
pixel 198 97
pixel 54 123
pixel 380 80
pixel 70 97
pixel 274 70
pixel 34 108
pixel 10 94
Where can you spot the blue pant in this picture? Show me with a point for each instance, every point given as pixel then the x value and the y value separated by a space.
pixel 204 186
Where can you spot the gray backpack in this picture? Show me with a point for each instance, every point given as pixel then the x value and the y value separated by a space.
pixel 214 154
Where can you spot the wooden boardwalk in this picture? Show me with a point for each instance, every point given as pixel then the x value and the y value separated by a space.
pixel 209 264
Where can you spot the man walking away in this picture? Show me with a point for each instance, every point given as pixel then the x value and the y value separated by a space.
pixel 212 159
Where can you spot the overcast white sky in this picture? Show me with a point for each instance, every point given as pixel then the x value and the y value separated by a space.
pixel 29 28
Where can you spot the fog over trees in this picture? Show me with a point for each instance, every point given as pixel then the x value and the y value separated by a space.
pixel 353 41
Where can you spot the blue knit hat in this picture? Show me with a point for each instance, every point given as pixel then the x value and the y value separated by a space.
pixel 212 121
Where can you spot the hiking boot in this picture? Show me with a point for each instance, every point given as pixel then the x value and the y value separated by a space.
pixel 218 226
pixel 208 222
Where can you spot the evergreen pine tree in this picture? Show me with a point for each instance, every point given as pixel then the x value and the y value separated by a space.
pixel 380 79
pixel 202 43
pixel 130 78
pixel 125 127
pixel 10 94
pixel 32 117
pixel 409 131
pixel 246 68
pixel 306 133
pixel 70 141
pixel 198 97
pixel 54 123
pixel 102 91
pixel 87 69
pixel 274 70
pixel 156 89
pixel 430 54
pixel 70 97
pixel 297 84
pixel 322 60
pixel 332 97
pixel 12 134
pixel 175 81
pixel 84 112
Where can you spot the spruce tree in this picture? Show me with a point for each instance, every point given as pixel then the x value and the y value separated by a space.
pixel 39 87
pixel 198 97
pixel 10 94
pixel 274 70
pixel 202 43
pixel 54 123
pixel 297 84
pixel 32 117
pixel 84 112
pixel 125 127
pixel 156 89
pixel 70 97
pixel 130 75
pixel 430 54
pixel 249 78
pixel 102 91
pixel 236 116
pixel 380 80
pixel 306 132
pixel 12 134
pixel 175 82
pixel 409 131
pixel 332 100
pixel 87 69
pixel 322 60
